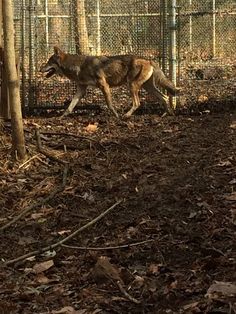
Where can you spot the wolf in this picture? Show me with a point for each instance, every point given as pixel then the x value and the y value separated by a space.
pixel 106 72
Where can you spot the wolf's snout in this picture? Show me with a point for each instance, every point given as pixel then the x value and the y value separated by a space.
pixel 42 68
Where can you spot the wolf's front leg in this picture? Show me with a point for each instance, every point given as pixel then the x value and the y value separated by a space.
pixel 80 92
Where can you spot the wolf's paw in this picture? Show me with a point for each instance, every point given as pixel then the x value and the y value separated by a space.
pixel 64 115
pixel 170 112
pixel 126 116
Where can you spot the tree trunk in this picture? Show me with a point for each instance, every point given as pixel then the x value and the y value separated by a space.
pixel 82 41
pixel 18 140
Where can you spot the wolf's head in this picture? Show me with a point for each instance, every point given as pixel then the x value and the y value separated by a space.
pixel 53 65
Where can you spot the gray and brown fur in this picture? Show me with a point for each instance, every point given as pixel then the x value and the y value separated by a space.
pixel 106 72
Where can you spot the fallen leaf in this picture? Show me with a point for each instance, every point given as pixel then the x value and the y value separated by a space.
pixel 64 231
pixel 153 269
pixel 69 310
pixel 138 282
pixel 91 128
pixel 41 278
pixel 231 197
pixel 104 269
pixel 190 306
pixel 26 240
pixel 41 267
pixel 37 215
pixel 202 98
pixel 192 215
pixel 220 288
pixel 225 163
pixel 233 215
pixel 233 125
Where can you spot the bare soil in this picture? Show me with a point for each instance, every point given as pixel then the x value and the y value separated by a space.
pixel 175 178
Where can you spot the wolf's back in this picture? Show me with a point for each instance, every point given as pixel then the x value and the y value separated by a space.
pixel 160 80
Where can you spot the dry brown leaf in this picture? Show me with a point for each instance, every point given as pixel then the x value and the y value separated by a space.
pixel 64 232
pixel 220 288
pixel 91 127
pixel 41 267
pixel 69 310
pixel 202 98
pixel 225 163
pixel 153 269
pixel 233 125
pixel 104 269
pixel 41 278
pixel 190 306
pixel 37 215
pixel 138 282
pixel 231 197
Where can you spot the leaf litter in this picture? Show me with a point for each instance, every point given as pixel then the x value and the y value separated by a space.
pixel 176 178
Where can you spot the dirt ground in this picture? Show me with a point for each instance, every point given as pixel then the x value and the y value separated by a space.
pixel 167 246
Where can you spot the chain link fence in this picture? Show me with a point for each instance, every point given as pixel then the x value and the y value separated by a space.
pixel 206 41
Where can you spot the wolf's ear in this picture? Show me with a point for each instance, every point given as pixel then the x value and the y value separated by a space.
pixel 57 51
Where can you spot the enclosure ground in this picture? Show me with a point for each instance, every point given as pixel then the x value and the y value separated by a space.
pixel 175 177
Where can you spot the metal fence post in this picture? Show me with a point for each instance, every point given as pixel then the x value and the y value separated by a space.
pixel 46 24
pixel 213 28
pixel 31 53
pixel 173 61
pixel 164 35
pixel 190 27
pixel 23 25
pixel 98 29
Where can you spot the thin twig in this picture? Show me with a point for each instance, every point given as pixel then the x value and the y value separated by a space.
pixel 87 248
pixel 28 160
pixel 40 202
pixel 126 294
pixel 59 243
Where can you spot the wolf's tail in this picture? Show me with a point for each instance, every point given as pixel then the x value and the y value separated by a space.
pixel 160 80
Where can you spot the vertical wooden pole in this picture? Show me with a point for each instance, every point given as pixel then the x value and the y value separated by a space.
pixel 4 103
pixel 18 140
pixel 81 36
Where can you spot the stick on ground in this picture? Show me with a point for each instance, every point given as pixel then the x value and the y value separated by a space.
pixel 59 243
pixel 124 246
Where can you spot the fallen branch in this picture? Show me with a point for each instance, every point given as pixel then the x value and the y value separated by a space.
pixel 28 161
pixel 41 201
pixel 70 134
pixel 59 243
pixel 126 294
pixel 87 248
pixel 73 135
pixel 44 151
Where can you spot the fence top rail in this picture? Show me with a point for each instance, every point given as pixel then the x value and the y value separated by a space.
pixel 181 14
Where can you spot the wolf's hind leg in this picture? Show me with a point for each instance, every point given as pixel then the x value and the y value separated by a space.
pixel 102 84
pixel 136 84
pixel 80 92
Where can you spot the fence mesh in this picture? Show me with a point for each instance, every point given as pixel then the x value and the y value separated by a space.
pixel 205 46
pixel 206 49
